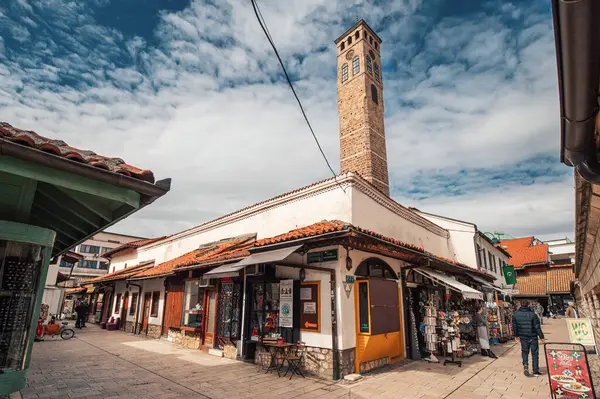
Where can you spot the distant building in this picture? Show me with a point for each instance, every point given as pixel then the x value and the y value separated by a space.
pixel 562 251
pixel 93 263
pixel 472 247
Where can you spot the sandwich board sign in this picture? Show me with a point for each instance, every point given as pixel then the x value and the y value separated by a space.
pixel 581 332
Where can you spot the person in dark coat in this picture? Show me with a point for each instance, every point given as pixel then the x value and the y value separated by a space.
pixel 527 328
pixel 82 310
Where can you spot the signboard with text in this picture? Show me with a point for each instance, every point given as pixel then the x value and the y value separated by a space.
pixel 581 332
pixel 286 303
pixel 322 256
pixel 310 306
pixel 568 371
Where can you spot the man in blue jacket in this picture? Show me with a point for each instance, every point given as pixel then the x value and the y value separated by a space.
pixel 527 329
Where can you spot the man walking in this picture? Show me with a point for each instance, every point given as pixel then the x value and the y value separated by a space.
pixel 527 328
pixel 539 310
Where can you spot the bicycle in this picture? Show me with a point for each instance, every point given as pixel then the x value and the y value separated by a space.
pixel 64 332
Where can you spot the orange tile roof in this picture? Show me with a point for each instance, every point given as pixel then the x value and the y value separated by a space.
pixel 131 245
pixel 328 226
pixel 121 274
pixel 523 253
pixel 207 255
pixel 60 148
pixel 559 279
pixel 75 290
pixel 531 285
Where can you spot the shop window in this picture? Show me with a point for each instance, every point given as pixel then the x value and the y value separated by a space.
pixel 89 249
pixel 118 304
pixel 344 72
pixel 375 267
pixel 376 70
pixel 363 306
pixel 369 64
pixel 134 303
pixel 155 302
pixel 264 310
pixel 374 94
pixel 193 305
pixel 355 65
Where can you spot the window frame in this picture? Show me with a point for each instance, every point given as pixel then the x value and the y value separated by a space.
pixel 368 304
pixel 344 72
pixel 374 94
pixel 87 262
pixel 85 248
pixel 376 72
pixel 355 65
pixel 155 299
pixel 491 258
pixel 369 65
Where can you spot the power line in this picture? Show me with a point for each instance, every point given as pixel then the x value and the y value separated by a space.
pixel 265 29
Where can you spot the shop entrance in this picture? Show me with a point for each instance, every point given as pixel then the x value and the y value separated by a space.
pixel 378 315
pixel 228 314
pixel 211 312
pixel 124 309
pixel 146 312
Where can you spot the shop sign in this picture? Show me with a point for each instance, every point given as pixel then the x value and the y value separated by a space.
pixel 309 306
pixel 322 256
pixel 286 303
pixel 350 279
pixel 568 371
pixel 581 332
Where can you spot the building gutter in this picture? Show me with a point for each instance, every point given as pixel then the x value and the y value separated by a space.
pixel 577 43
pixel 150 192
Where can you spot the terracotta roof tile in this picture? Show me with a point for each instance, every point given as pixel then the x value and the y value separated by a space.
pixel 313 230
pixel 131 245
pixel 524 253
pixel 206 255
pixel 559 279
pixel 75 290
pixel 532 285
pixel 60 148
pixel 121 274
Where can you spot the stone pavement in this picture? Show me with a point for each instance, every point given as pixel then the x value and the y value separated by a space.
pixel 101 364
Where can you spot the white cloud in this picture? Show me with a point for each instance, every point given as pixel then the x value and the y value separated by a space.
pixel 209 107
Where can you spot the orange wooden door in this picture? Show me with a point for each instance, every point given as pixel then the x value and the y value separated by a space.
pixel 173 306
pixel 146 311
pixel 211 315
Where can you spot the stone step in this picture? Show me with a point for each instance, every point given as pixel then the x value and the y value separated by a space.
pixel 215 352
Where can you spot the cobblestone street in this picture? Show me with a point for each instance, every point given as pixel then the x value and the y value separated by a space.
pixel 101 364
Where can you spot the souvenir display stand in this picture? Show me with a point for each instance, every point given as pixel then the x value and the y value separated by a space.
pixel 24 257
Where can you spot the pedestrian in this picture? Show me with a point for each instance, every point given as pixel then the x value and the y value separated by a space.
pixel 81 311
pixel 539 310
pixel 571 311
pixel 86 312
pixel 527 328
pixel 483 333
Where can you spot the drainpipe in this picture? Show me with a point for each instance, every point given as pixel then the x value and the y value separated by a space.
pixel 578 62
pixel 137 311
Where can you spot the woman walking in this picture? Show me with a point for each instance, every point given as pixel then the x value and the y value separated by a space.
pixel 483 333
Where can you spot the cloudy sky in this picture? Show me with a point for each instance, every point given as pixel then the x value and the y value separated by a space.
pixel 191 90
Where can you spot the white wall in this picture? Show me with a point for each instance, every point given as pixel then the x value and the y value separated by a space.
pixel 500 257
pixel 120 260
pixel 53 297
pixel 150 286
pixel 328 205
pixel 369 214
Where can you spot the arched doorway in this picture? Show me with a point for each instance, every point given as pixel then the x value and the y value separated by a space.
pixel 378 310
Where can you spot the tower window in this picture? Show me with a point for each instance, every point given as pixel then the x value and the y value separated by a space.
pixel 371 40
pixel 349 40
pixel 355 65
pixel 374 94
pixel 376 45
pixel 344 72
pixel 369 65
pixel 343 46
pixel 357 35
pixel 376 69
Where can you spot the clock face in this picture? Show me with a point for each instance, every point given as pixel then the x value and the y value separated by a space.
pixel 349 55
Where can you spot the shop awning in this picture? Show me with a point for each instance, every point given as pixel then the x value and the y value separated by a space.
pixel 466 291
pixel 232 270
pixel 486 284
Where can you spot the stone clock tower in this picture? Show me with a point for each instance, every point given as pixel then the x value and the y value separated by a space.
pixel 360 105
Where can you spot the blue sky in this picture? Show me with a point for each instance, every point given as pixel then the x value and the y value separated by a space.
pixel 191 90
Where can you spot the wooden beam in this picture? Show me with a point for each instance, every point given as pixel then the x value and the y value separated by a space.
pixel 90 202
pixel 63 201
pixel 55 222
pixel 69 180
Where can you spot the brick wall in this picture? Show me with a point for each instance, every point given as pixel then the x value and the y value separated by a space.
pixel 589 306
pixel 362 131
